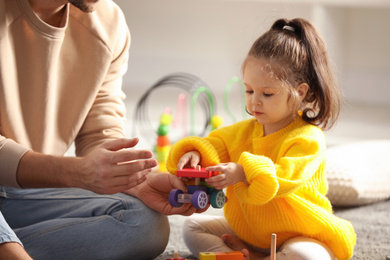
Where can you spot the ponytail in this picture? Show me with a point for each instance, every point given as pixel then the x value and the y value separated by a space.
pixel 299 55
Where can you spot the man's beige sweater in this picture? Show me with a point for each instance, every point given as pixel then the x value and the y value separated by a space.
pixel 59 85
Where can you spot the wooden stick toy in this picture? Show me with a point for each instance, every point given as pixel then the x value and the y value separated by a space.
pixel 273 247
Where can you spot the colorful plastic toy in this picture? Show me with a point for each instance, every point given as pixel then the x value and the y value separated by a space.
pixel 176 257
pixel 273 247
pixel 190 84
pixel 199 194
pixel 233 255
pixel 163 143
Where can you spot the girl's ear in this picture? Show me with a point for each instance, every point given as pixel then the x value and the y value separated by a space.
pixel 302 90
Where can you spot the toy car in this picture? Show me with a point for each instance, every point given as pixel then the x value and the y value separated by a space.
pixel 199 194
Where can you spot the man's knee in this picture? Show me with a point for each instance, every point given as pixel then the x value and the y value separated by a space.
pixel 154 234
pixel 147 230
pixel 158 230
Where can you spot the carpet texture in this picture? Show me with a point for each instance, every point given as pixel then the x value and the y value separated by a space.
pixel 371 223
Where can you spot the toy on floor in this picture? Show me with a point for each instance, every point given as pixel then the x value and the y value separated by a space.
pixel 273 247
pixel 199 194
pixel 234 80
pixel 202 100
pixel 176 257
pixel 190 84
pixel 215 120
pixel 163 142
pixel 233 255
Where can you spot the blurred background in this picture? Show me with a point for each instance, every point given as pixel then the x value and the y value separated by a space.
pixel 210 39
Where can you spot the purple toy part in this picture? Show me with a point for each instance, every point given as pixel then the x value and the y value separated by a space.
pixel 200 199
pixel 173 197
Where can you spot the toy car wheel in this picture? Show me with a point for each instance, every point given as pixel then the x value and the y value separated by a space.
pixel 173 198
pixel 200 199
pixel 217 199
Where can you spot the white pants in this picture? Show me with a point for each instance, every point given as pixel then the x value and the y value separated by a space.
pixel 202 233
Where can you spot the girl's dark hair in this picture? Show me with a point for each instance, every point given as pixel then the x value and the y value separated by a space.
pixel 297 54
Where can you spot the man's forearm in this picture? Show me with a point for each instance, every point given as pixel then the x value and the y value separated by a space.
pixel 110 168
pixel 38 170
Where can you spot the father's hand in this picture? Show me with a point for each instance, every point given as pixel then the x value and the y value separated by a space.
pixel 154 192
pixel 113 168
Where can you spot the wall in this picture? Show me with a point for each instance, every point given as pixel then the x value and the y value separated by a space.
pixel 210 38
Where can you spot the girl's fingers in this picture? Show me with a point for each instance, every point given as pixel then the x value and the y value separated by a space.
pixel 218 167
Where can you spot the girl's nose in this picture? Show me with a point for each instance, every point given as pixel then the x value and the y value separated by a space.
pixel 257 101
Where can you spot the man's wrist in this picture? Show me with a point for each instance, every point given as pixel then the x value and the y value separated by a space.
pixel 38 170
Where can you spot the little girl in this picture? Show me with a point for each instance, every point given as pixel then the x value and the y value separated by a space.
pixel 273 165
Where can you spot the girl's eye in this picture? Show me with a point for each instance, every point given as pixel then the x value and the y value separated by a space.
pixel 249 91
pixel 267 94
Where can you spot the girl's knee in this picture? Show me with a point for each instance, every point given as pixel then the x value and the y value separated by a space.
pixel 190 225
pixel 304 248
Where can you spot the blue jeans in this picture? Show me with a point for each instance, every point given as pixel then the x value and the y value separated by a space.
pixel 78 224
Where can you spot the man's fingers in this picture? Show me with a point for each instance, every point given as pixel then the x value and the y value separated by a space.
pixel 130 155
pixel 125 182
pixel 115 145
pixel 176 183
pixel 129 178
pixel 134 166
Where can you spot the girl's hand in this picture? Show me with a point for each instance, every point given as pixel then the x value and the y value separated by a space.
pixel 189 160
pixel 231 173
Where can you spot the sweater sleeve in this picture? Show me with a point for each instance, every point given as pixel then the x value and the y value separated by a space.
pixel 298 160
pixel 211 149
pixel 107 116
pixel 261 175
pixel 10 155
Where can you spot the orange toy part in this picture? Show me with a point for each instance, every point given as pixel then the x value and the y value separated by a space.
pixel 163 140
pixel 233 255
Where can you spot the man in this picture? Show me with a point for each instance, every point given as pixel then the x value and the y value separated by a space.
pixel 61 68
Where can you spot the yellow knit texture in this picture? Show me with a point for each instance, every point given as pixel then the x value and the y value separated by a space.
pixel 287 187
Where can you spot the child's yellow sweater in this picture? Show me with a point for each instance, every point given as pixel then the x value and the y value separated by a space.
pixel 287 187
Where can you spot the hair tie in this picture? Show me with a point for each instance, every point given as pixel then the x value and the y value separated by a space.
pixel 288 27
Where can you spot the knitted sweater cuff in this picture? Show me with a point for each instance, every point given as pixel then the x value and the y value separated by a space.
pixel 209 155
pixel 261 176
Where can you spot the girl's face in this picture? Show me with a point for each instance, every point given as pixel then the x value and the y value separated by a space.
pixel 266 98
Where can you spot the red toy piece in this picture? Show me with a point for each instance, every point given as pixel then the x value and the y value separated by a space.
pixel 196 173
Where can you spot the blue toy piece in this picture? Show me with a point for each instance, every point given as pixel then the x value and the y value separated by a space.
pixel 199 194
pixel 217 199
